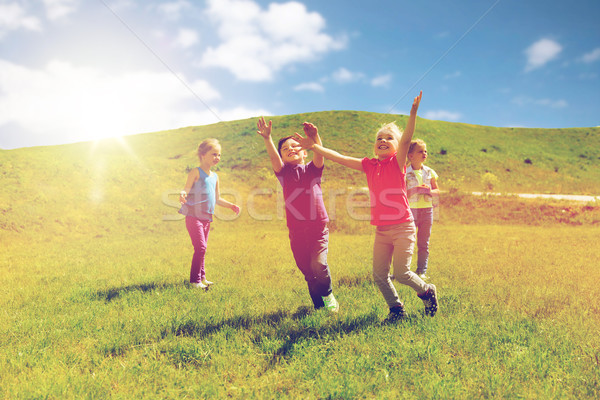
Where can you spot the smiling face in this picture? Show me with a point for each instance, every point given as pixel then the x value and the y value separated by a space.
pixel 291 152
pixel 211 157
pixel 386 144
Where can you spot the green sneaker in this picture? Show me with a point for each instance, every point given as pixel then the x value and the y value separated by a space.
pixel 331 303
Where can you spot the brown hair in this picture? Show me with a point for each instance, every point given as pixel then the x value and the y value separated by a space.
pixel 206 145
pixel 414 144
pixel 282 141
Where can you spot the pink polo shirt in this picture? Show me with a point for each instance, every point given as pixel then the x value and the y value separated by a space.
pixel 387 191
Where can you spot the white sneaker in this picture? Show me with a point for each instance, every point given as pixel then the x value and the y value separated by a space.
pixel 331 303
pixel 424 277
pixel 199 285
pixel 207 283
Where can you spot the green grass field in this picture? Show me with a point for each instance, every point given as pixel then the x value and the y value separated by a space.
pixel 94 263
pixel 113 317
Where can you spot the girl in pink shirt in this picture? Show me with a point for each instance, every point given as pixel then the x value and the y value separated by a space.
pixel 390 212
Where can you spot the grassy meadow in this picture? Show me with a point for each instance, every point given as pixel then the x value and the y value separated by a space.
pixel 94 263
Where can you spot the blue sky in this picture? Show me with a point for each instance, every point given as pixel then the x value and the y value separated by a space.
pixel 74 70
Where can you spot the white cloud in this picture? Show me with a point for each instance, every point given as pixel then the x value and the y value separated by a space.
pixel 14 17
pixel 173 10
pixel 186 38
pixel 121 5
pixel 443 115
pixel 309 87
pixel 453 75
pixel 552 103
pixel 540 53
pixel 241 113
pixel 342 75
pixel 63 103
pixel 592 56
pixel 526 101
pixel 257 43
pixel 56 9
pixel 381 80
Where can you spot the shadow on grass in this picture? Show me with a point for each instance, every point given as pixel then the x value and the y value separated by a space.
pixel 114 293
pixel 336 328
pixel 333 326
pixel 195 328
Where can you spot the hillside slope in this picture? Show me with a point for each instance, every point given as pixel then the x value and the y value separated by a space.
pixel 128 184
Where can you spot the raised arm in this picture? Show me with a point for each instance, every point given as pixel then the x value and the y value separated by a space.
pixel 312 132
pixel 264 130
pixel 309 143
pixel 408 132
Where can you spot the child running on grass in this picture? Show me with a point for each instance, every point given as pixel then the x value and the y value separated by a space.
pixel 198 201
pixel 421 186
pixel 305 211
pixel 390 212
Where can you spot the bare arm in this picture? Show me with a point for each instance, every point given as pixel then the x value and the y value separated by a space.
pixel 408 132
pixel 435 189
pixel 309 143
pixel 191 179
pixel 311 131
pixel 224 203
pixel 264 130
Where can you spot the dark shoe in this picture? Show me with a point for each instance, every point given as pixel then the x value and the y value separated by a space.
pixel 396 313
pixel 430 300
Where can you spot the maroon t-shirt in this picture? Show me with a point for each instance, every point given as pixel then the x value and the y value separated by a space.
pixel 302 192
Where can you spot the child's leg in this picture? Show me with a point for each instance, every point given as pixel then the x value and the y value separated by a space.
pixel 318 260
pixel 404 241
pixel 198 230
pixel 301 247
pixel 423 221
pixel 382 258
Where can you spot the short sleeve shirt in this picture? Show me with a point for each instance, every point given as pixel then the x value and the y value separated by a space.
pixel 387 191
pixel 418 177
pixel 302 192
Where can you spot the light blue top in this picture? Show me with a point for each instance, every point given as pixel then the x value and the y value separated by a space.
pixel 201 199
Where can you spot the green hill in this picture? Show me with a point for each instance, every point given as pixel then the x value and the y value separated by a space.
pixel 128 184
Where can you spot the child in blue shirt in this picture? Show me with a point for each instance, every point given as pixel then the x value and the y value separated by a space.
pixel 198 201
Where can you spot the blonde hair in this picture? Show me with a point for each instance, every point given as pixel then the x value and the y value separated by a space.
pixel 414 143
pixel 392 129
pixel 207 145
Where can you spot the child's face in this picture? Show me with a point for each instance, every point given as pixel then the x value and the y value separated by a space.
pixel 211 157
pixel 386 144
pixel 419 154
pixel 291 152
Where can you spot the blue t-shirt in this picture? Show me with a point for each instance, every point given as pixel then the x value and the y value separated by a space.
pixel 302 192
pixel 201 199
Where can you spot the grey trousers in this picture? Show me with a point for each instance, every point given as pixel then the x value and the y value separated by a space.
pixel 395 242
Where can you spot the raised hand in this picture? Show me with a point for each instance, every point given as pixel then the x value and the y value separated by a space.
pixel 415 105
pixel 264 130
pixel 310 130
pixel 305 142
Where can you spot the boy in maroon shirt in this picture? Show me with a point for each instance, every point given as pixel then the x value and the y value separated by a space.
pixel 305 211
